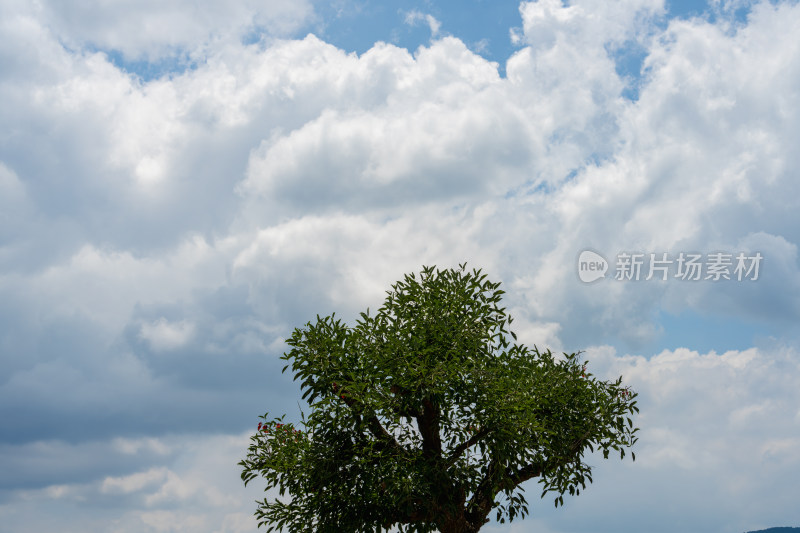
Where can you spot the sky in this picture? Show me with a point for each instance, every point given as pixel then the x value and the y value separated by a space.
pixel 184 183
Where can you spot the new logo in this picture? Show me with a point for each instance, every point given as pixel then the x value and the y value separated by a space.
pixel 591 266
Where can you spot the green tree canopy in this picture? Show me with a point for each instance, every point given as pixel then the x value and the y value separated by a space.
pixel 428 416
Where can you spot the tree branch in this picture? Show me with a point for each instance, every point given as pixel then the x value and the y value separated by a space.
pixel 464 446
pixel 482 499
pixel 522 475
pixel 373 423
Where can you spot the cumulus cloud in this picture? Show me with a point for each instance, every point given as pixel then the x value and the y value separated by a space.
pixel 719 425
pixel 664 191
pixel 151 30
pixel 159 238
pixel 718 441
pixel 195 486
pixel 717 428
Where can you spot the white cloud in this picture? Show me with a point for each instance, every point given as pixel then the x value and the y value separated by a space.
pixel 152 29
pixel 196 488
pixel 134 482
pixel 134 446
pixel 207 212
pixel 695 450
pixel 164 335
pixel 587 23
pixel 692 404
pixel 689 172
pixel 415 17
pixel 105 285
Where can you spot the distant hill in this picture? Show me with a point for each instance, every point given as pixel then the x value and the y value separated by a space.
pixel 778 530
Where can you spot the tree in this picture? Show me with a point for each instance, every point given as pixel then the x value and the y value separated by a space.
pixel 428 416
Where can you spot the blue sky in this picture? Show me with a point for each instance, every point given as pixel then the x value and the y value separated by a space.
pixel 183 183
